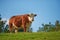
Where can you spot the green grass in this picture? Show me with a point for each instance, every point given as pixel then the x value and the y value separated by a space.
pixel 30 36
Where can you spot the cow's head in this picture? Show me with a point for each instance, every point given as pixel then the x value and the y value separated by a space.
pixel 31 17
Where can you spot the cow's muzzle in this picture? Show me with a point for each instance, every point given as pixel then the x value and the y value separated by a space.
pixel 33 20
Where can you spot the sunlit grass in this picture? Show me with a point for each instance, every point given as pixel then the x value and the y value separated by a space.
pixel 30 36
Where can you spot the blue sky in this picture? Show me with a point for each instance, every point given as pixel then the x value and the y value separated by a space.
pixel 46 10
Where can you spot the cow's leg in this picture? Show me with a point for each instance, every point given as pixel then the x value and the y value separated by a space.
pixel 10 28
pixel 16 30
pixel 28 26
pixel 23 24
pixel 24 27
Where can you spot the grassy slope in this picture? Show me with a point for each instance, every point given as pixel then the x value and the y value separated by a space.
pixel 30 36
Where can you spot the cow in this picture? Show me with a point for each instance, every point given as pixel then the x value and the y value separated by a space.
pixel 21 21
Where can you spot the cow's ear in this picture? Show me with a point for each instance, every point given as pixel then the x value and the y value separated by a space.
pixel 35 15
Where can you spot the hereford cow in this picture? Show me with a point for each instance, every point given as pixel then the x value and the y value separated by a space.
pixel 21 21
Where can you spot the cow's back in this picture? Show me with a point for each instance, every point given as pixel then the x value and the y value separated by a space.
pixel 17 20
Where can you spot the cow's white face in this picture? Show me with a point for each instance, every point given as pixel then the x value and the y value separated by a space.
pixel 31 17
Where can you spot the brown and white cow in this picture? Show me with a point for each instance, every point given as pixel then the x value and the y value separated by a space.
pixel 21 21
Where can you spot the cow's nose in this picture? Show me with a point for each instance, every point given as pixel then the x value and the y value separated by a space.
pixel 33 20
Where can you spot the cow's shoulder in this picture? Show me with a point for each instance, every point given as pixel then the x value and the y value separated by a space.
pixel 19 17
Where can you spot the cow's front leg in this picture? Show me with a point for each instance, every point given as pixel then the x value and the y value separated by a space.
pixel 27 29
pixel 24 27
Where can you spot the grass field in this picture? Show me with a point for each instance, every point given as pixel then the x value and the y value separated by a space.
pixel 30 36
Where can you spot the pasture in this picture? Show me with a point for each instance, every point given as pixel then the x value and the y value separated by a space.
pixel 30 36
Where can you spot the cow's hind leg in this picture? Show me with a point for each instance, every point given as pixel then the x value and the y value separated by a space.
pixel 10 28
pixel 16 30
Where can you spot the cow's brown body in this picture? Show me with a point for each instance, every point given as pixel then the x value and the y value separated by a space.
pixel 19 21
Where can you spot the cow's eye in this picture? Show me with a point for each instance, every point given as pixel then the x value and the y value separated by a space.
pixel 28 15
